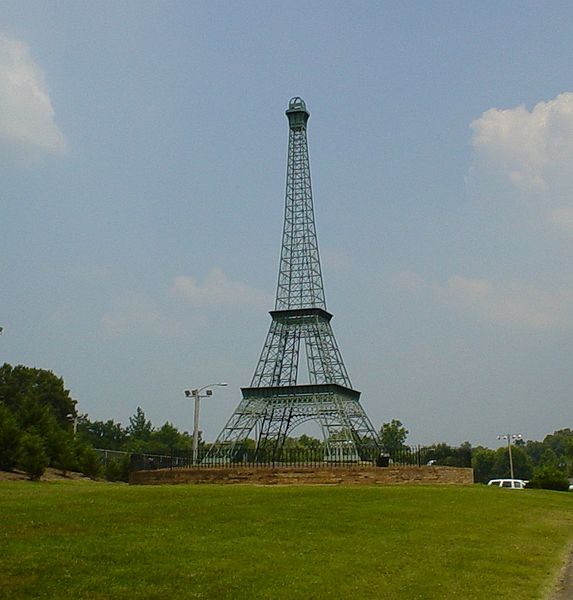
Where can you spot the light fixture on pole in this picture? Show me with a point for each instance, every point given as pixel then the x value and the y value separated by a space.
pixel 510 437
pixel 74 419
pixel 197 396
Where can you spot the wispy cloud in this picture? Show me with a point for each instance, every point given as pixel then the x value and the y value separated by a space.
pixel 218 290
pixel 138 314
pixel 26 112
pixel 510 304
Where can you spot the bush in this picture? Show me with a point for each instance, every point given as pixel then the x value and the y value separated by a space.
pixel 62 451
pixel 89 462
pixel 32 457
pixel 117 470
pixel 549 477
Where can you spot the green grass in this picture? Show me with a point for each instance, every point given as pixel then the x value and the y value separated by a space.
pixel 95 540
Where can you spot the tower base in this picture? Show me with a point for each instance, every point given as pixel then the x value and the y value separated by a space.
pixel 272 413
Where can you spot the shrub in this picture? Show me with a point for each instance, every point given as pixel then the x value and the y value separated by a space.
pixel 62 452
pixel 549 477
pixel 117 470
pixel 32 457
pixel 89 462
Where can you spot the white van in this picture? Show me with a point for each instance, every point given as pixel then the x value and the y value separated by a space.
pixel 512 484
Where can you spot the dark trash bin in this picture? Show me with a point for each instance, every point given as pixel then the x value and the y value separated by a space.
pixel 383 460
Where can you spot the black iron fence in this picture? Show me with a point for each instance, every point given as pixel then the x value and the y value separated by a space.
pixel 290 457
pixel 286 457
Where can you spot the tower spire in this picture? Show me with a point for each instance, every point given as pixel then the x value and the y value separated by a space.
pixel 300 277
pixel 277 401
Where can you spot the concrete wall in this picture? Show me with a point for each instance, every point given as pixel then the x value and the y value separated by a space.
pixel 308 475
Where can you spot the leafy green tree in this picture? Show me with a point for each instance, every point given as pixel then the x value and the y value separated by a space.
pixel 549 458
pixel 447 456
pixel 522 466
pixel 168 437
pixel 393 436
pixel 534 450
pixel 483 460
pixel 559 441
pixel 9 439
pixel 549 477
pixel 37 385
pixel 32 458
pixel 99 434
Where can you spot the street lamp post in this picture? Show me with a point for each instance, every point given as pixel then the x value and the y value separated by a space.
pixel 74 419
pixel 510 437
pixel 197 396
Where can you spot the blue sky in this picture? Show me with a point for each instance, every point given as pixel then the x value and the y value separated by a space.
pixel 142 156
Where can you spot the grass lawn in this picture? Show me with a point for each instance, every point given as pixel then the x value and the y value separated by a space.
pixel 96 540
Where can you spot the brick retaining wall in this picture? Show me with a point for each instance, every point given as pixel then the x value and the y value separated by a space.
pixel 308 475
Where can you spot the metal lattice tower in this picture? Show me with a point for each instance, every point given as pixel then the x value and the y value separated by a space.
pixel 276 403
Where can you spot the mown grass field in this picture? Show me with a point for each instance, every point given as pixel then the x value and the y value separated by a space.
pixel 97 540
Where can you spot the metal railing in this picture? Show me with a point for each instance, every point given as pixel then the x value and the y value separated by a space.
pixel 286 457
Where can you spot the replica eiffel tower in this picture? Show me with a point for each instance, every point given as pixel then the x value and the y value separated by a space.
pixel 276 403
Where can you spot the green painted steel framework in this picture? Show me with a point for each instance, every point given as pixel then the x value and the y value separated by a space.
pixel 276 403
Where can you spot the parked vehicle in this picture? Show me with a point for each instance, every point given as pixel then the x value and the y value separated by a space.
pixel 512 484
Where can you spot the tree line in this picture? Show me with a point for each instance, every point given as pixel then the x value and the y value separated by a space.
pixel 547 464
pixel 40 427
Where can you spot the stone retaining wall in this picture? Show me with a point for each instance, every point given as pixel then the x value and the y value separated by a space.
pixel 308 475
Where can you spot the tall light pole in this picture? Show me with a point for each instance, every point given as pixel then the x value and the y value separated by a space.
pixel 510 437
pixel 74 419
pixel 196 394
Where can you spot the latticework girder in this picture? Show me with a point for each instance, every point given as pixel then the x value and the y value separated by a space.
pixel 275 404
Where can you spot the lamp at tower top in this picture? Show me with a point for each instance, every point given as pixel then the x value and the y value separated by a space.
pixel 297 113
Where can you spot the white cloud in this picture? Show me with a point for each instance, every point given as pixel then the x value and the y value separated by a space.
pixel 26 112
pixel 512 304
pixel 218 290
pixel 136 313
pixel 532 151
pixel 504 303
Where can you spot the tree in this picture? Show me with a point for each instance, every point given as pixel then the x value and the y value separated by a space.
pixel 139 427
pixel 522 466
pixel 118 470
pixel 32 457
pixel 38 386
pixel 393 436
pixel 549 477
pixel 62 451
pixel 89 462
pixel 99 434
pixel 559 441
pixel 9 439
pixel 534 450
pixel 446 456
pixel 483 460
pixel 168 437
